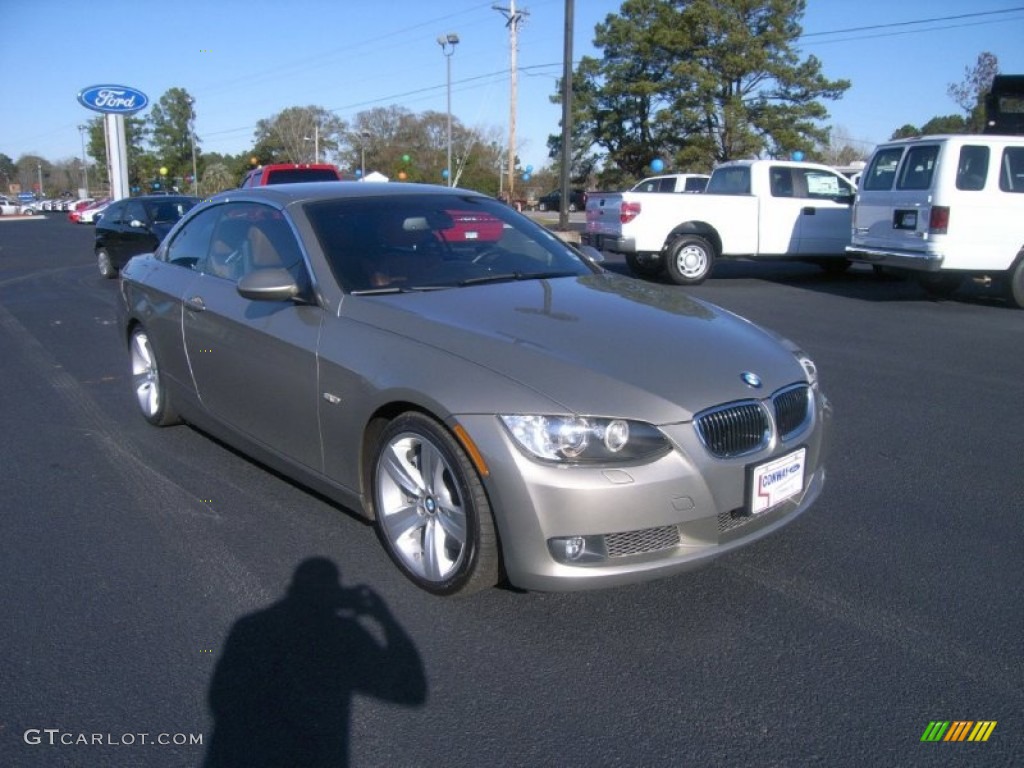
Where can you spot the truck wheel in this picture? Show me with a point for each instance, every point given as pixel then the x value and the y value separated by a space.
pixel 690 260
pixel 1015 284
pixel 644 264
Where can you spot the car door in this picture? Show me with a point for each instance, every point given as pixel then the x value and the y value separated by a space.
pixel 825 213
pixel 780 215
pixel 254 362
pixel 133 235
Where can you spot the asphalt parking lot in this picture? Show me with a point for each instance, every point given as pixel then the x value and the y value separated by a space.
pixel 128 554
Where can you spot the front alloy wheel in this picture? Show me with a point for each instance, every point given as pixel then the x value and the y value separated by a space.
pixel 431 512
pixel 150 391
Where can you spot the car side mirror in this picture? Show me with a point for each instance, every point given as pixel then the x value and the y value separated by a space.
pixel 268 285
pixel 136 224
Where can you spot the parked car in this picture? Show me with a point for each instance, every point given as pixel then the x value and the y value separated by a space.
pixel 290 173
pixel 672 182
pixel 135 225
pixel 9 207
pixel 945 208
pixel 552 201
pixel 75 210
pixel 768 209
pixel 489 405
pixel 88 214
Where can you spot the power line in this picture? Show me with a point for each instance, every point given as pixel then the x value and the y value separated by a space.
pixel 916 21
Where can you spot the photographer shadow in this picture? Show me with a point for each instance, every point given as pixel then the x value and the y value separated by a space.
pixel 282 690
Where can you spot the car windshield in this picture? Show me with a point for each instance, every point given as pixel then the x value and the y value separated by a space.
pixel 403 243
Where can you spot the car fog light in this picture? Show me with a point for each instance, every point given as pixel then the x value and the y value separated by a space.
pixel 575 547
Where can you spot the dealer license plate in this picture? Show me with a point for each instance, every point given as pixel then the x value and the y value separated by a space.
pixel 777 480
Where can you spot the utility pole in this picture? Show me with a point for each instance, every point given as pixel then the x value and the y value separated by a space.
pixel 563 214
pixel 513 19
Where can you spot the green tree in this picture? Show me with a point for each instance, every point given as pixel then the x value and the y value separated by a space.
pixel 8 172
pixel 697 82
pixel 970 93
pixel 944 124
pixel 170 122
pixel 294 134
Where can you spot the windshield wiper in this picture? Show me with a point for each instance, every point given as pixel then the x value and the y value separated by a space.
pixel 507 277
pixel 387 289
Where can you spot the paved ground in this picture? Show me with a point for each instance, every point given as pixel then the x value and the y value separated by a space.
pixel 127 554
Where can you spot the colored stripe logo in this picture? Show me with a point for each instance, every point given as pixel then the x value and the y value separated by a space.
pixel 958 730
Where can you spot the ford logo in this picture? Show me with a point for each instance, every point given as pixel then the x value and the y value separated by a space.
pixel 116 99
pixel 751 379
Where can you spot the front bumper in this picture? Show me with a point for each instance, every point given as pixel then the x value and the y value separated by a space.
pixel 648 521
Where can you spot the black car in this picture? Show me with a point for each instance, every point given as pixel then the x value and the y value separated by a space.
pixel 552 201
pixel 136 225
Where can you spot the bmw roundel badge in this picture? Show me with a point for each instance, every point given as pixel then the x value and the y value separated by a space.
pixel 751 379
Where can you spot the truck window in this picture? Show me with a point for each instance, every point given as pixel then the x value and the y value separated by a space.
pixel 730 181
pixel 781 182
pixel 820 185
pixel 918 167
pixel 972 169
pixel 1011 173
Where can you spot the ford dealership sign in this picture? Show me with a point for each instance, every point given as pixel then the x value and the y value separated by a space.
pixel 115 99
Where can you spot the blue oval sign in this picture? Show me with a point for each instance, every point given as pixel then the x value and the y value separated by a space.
pixel 117 99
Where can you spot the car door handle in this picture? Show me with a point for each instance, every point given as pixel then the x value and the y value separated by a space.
pixel 196 304
pixel 809 211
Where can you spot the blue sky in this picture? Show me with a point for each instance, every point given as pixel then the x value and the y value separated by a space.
pixel 244 60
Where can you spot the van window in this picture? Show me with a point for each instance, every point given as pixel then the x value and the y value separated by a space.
pixel 972 168
pixel 918 167
pixel 883 169
pixel 1011 172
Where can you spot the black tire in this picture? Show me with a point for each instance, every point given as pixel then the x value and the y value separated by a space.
pixel 431 512
pixel 689 260
pixel 1015 284
pixel 939 285
pixel 105 265
pixel 644 264
pixel 150 390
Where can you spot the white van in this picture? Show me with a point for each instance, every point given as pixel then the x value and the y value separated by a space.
pixel 946 207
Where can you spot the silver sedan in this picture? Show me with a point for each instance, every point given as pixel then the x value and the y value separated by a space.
pixel 500 406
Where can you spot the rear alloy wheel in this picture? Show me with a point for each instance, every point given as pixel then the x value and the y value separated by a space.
pixel 431 512
pixel 150 390
pixel 105 265
pixel 690 260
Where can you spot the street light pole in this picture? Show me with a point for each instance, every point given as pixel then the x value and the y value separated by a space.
pixel 192 136
pixel 85 165
pixel 364 135
pixel 448 43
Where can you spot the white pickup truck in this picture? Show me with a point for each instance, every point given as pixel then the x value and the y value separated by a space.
pixel 772 209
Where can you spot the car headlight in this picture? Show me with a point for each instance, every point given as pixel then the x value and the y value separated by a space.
pixel 810 369
pixel 585 439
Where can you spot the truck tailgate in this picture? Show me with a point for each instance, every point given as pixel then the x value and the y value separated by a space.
pixel 603 214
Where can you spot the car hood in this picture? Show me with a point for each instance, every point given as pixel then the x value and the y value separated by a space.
pixel 600 344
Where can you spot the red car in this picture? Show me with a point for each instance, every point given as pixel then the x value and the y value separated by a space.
pixel 290 173
pixel 75 209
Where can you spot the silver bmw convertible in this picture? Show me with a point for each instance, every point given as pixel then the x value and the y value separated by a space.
pixel 497 404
